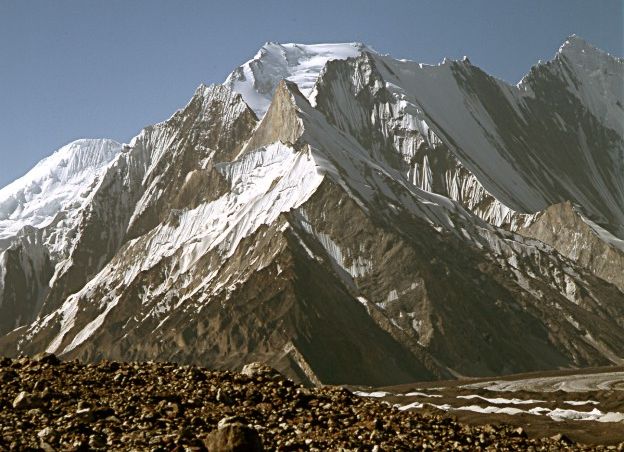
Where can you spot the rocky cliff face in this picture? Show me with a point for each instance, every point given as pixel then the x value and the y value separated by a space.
pixel 563 227
pixel 388 222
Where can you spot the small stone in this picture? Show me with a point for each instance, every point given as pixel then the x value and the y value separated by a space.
pixel 561 438
pixel 375 424
pixel 110 366
pixel 47 393
pixel 45 433
pixel 520 432
pixel 97 442
pixel 234 437
pixel 103 412
pixel 488 428
pixel 222 397
pixel 34 412
pixel 84 415
pixel 230 420
pixel 173 410
pixel 8 375
pixel 45 446
pixel 185 434
pixel 23 361
pixel 82 405
pixel 25 401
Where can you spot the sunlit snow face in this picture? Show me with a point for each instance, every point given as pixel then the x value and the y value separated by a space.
pixel 60 181
pixel 257 79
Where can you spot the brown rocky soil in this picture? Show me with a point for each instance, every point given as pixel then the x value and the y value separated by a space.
pixel 50 405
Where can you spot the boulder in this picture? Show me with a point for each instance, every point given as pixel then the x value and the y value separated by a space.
pixel 254 369
pixel 233 437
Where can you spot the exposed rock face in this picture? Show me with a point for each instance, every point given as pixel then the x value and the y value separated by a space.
pixel 363 231
pixel 281 123
pixel 25 269
pixel 182 152
pixel 569 232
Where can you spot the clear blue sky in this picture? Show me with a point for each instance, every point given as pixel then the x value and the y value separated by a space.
pixel 87 68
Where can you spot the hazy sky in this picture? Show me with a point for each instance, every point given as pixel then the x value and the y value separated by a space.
pixel 87 68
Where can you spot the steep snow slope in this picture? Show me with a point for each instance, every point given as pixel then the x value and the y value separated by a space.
pixel 264 184
pixel 56 183
pixel 174 274
pixel 257 79
pixel 594 77
pixel 181 152
pixel 557 136
pixel 354 97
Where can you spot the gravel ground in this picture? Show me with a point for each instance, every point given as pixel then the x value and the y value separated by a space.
pixel 50 405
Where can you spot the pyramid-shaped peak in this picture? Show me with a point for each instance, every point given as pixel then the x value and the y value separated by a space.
pixel 586 57
pixel 574 44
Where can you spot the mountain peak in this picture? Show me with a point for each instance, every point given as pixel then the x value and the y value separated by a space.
pixel 257 79
pixel 35 198
pixel 281 121
pixel 74 156
pixel 333 47
pixel 575 46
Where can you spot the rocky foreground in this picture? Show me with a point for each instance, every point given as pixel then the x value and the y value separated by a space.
pixel 50 405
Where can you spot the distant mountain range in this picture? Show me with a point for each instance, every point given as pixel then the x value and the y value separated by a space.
pixel 341 215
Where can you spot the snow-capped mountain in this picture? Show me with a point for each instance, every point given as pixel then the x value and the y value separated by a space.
pixel 345 217
pixel 58 183
pixel 257 79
